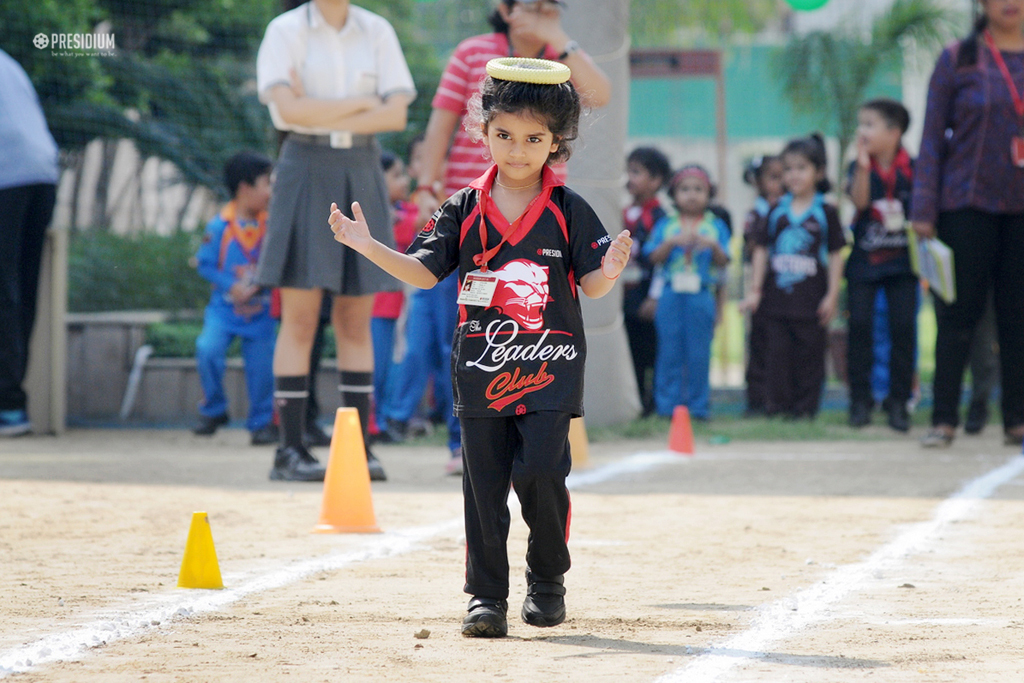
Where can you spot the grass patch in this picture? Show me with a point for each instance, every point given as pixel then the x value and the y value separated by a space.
pixel 829 425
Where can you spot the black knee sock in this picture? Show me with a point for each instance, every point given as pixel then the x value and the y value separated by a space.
pixel 356 389
pixel 290 395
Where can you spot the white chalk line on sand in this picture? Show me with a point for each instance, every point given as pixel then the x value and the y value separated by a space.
pixel 782 619
pixel 144 616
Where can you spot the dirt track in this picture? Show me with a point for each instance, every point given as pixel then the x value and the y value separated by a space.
pixel 668 562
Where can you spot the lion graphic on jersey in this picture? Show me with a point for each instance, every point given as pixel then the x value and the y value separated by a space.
pixel 522 292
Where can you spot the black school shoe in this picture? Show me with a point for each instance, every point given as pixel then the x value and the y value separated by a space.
pixel 375 467
pixel 977 417
pixel 545 600
pixel 860 415
pixel 265 435
pixel 295 463
pixel 207 426
pixel 486 618
pixel 899 416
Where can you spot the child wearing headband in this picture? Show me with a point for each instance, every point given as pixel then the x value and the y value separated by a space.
pixel 689 247
pixel 523 245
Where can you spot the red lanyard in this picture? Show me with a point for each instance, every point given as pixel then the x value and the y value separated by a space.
pixel 1018 101
pixel 529 216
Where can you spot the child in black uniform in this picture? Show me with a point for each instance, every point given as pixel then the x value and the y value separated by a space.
pixel 798 267
pixel 880 183
pixel 523 245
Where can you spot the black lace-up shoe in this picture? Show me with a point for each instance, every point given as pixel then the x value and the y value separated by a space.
pixel 977 417
pixel 375 467
pixel 486 618
pixel 860 415
pixel 207 426
pixel 265 435
pixel 293 463
pixel 899 416
pixel 545 600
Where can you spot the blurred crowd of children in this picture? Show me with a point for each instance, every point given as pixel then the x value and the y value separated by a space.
pixel 793 266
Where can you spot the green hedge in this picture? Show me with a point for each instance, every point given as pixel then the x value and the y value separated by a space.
pixel 178 340
pixel 108 272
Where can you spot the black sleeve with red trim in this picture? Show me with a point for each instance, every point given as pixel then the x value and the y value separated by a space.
pixel 588 240
pixel 437 244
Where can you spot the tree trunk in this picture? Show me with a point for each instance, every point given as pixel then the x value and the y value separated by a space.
pixel 596 171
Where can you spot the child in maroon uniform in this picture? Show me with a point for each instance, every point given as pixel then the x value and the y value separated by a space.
pixel 523 245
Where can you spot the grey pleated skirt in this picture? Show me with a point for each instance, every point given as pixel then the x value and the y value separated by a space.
pixel 299 249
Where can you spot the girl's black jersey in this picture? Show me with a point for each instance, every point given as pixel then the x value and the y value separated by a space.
pixel 525 351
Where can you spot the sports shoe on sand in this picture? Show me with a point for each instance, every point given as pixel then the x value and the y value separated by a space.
pixel 545 600
pixel 486 618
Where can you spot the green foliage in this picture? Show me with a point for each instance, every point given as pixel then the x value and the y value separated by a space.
pixel 182 82
pixel 178 339
pixel 656 23
pixel 54 79
pixel 828 73
pixel 109 272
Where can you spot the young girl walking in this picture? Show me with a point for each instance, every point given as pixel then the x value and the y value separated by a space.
pixel 523 245
pixel 797 270
pixel 689 247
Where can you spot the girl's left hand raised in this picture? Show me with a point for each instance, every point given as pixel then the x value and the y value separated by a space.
pixel 354 234
pixel 617 256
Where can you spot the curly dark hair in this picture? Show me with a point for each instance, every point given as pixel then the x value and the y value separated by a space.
pixel 557 106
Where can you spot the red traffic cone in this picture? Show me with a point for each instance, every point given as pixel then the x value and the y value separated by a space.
pixel 680 435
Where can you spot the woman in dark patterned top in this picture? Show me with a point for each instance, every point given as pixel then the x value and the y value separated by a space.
pixel 969 191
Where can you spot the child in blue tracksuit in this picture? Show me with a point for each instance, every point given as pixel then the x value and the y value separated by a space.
pixel 238 307
pixel 689 247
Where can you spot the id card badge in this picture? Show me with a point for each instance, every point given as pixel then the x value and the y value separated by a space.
pixel 1017 150
pixel 686 282
pixel 478 289
pixel 893 216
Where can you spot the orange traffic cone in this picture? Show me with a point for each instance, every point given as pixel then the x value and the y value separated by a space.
pixel 680 435
pixel 578 445
pixel 347 505
pixel 199 568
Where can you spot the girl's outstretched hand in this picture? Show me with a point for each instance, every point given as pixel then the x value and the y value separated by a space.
pixel 617 256
pixel 354 234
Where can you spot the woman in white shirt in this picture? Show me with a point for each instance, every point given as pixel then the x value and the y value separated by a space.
pixel 332 75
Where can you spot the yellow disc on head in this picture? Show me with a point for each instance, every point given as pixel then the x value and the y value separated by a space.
pixel 528 70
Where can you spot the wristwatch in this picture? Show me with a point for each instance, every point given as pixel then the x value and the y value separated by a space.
pixel 571 47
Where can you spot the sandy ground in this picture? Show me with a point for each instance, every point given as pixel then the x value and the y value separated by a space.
pixel 669 563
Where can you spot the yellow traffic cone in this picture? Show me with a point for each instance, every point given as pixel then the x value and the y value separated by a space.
pixel 348 503
pixel 579 447
pixel 199 568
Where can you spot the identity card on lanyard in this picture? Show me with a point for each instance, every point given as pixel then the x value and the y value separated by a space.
pixel 1017 143
pixel 478 289
pixel 479 286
